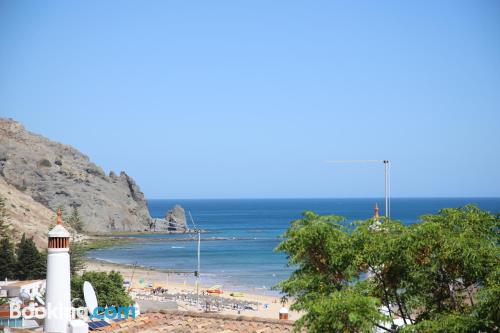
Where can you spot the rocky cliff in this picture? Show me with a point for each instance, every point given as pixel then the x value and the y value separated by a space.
pixel 25 216
pixel 54 174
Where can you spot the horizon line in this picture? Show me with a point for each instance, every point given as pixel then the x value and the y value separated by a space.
pixel 325 198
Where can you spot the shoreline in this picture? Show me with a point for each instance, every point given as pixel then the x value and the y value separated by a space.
pixel 146 232
pixel 176 276
pixel 184 283
pixel 94 242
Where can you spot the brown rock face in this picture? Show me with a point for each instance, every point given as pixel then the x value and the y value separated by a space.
pixel 25 216
pixel 55 174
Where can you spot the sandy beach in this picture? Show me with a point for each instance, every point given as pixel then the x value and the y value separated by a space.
pixel 140 277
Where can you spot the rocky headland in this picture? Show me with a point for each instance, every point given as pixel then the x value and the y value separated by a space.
pixel 38 175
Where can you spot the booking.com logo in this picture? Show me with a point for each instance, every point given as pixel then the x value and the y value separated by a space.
pixel 112 312
pixel 49 311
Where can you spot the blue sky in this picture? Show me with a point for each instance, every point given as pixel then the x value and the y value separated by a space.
pixel 245 99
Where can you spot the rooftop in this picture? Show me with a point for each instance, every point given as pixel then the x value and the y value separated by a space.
pixel 59 231
pixel 18 283
pixel 194 322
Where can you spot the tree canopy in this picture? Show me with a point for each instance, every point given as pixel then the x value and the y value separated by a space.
pixel 75 220
pixel 7 260
pixel 31 264
pixel 76 257
pixel 108 287
pixel 3 217
pixel 442 272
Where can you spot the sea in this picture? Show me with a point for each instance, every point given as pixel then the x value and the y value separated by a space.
pixel 237 249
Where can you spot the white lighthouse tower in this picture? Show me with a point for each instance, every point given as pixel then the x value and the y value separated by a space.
pixel 58 291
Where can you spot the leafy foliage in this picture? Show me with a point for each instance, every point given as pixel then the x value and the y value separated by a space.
pixel 324 253
pixel 75 220
pixel 76 257
pixel 7 260
pixel 31 264
pixel 108 288
pixel 3 217
pixel 442 272
pixel 343 311
pixel 25 262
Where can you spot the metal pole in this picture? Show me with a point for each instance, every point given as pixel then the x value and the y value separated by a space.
pixel 386 188
pixel 198 271
pixel 389 195
pixel 386 179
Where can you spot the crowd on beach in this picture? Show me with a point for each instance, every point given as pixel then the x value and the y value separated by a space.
pixel 162 289
pixel 202 301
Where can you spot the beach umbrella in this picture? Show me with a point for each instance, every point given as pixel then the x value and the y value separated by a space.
pixel 215 287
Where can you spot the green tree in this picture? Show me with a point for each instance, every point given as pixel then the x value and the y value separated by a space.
pixel 76 257
pixel 441 272
pixel 325 257
pixel 3 217
pixel 31 264
pixel 488 307
pixel 75 220
pixel 453 271
pixel 380 255
pixel 108 288
pixel 7 260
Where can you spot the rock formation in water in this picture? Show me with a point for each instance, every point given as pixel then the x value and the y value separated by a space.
pixel 54 174
pixel 176 219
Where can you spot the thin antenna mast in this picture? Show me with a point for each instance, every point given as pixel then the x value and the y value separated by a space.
pixel 386 187
pixel 191 218
pixel 386 178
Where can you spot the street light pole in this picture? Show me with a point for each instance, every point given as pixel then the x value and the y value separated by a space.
pixel 198 271
pixel 198 259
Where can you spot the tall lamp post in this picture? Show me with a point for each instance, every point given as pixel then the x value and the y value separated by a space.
pixel 387 185
pixel 197 273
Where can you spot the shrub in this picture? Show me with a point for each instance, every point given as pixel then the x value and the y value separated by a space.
pixel 44 163
pixel 108 287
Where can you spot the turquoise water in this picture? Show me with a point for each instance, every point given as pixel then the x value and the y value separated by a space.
pixel 250 229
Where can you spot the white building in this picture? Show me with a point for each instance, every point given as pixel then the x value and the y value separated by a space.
pixel 13 288
pixel 31 291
